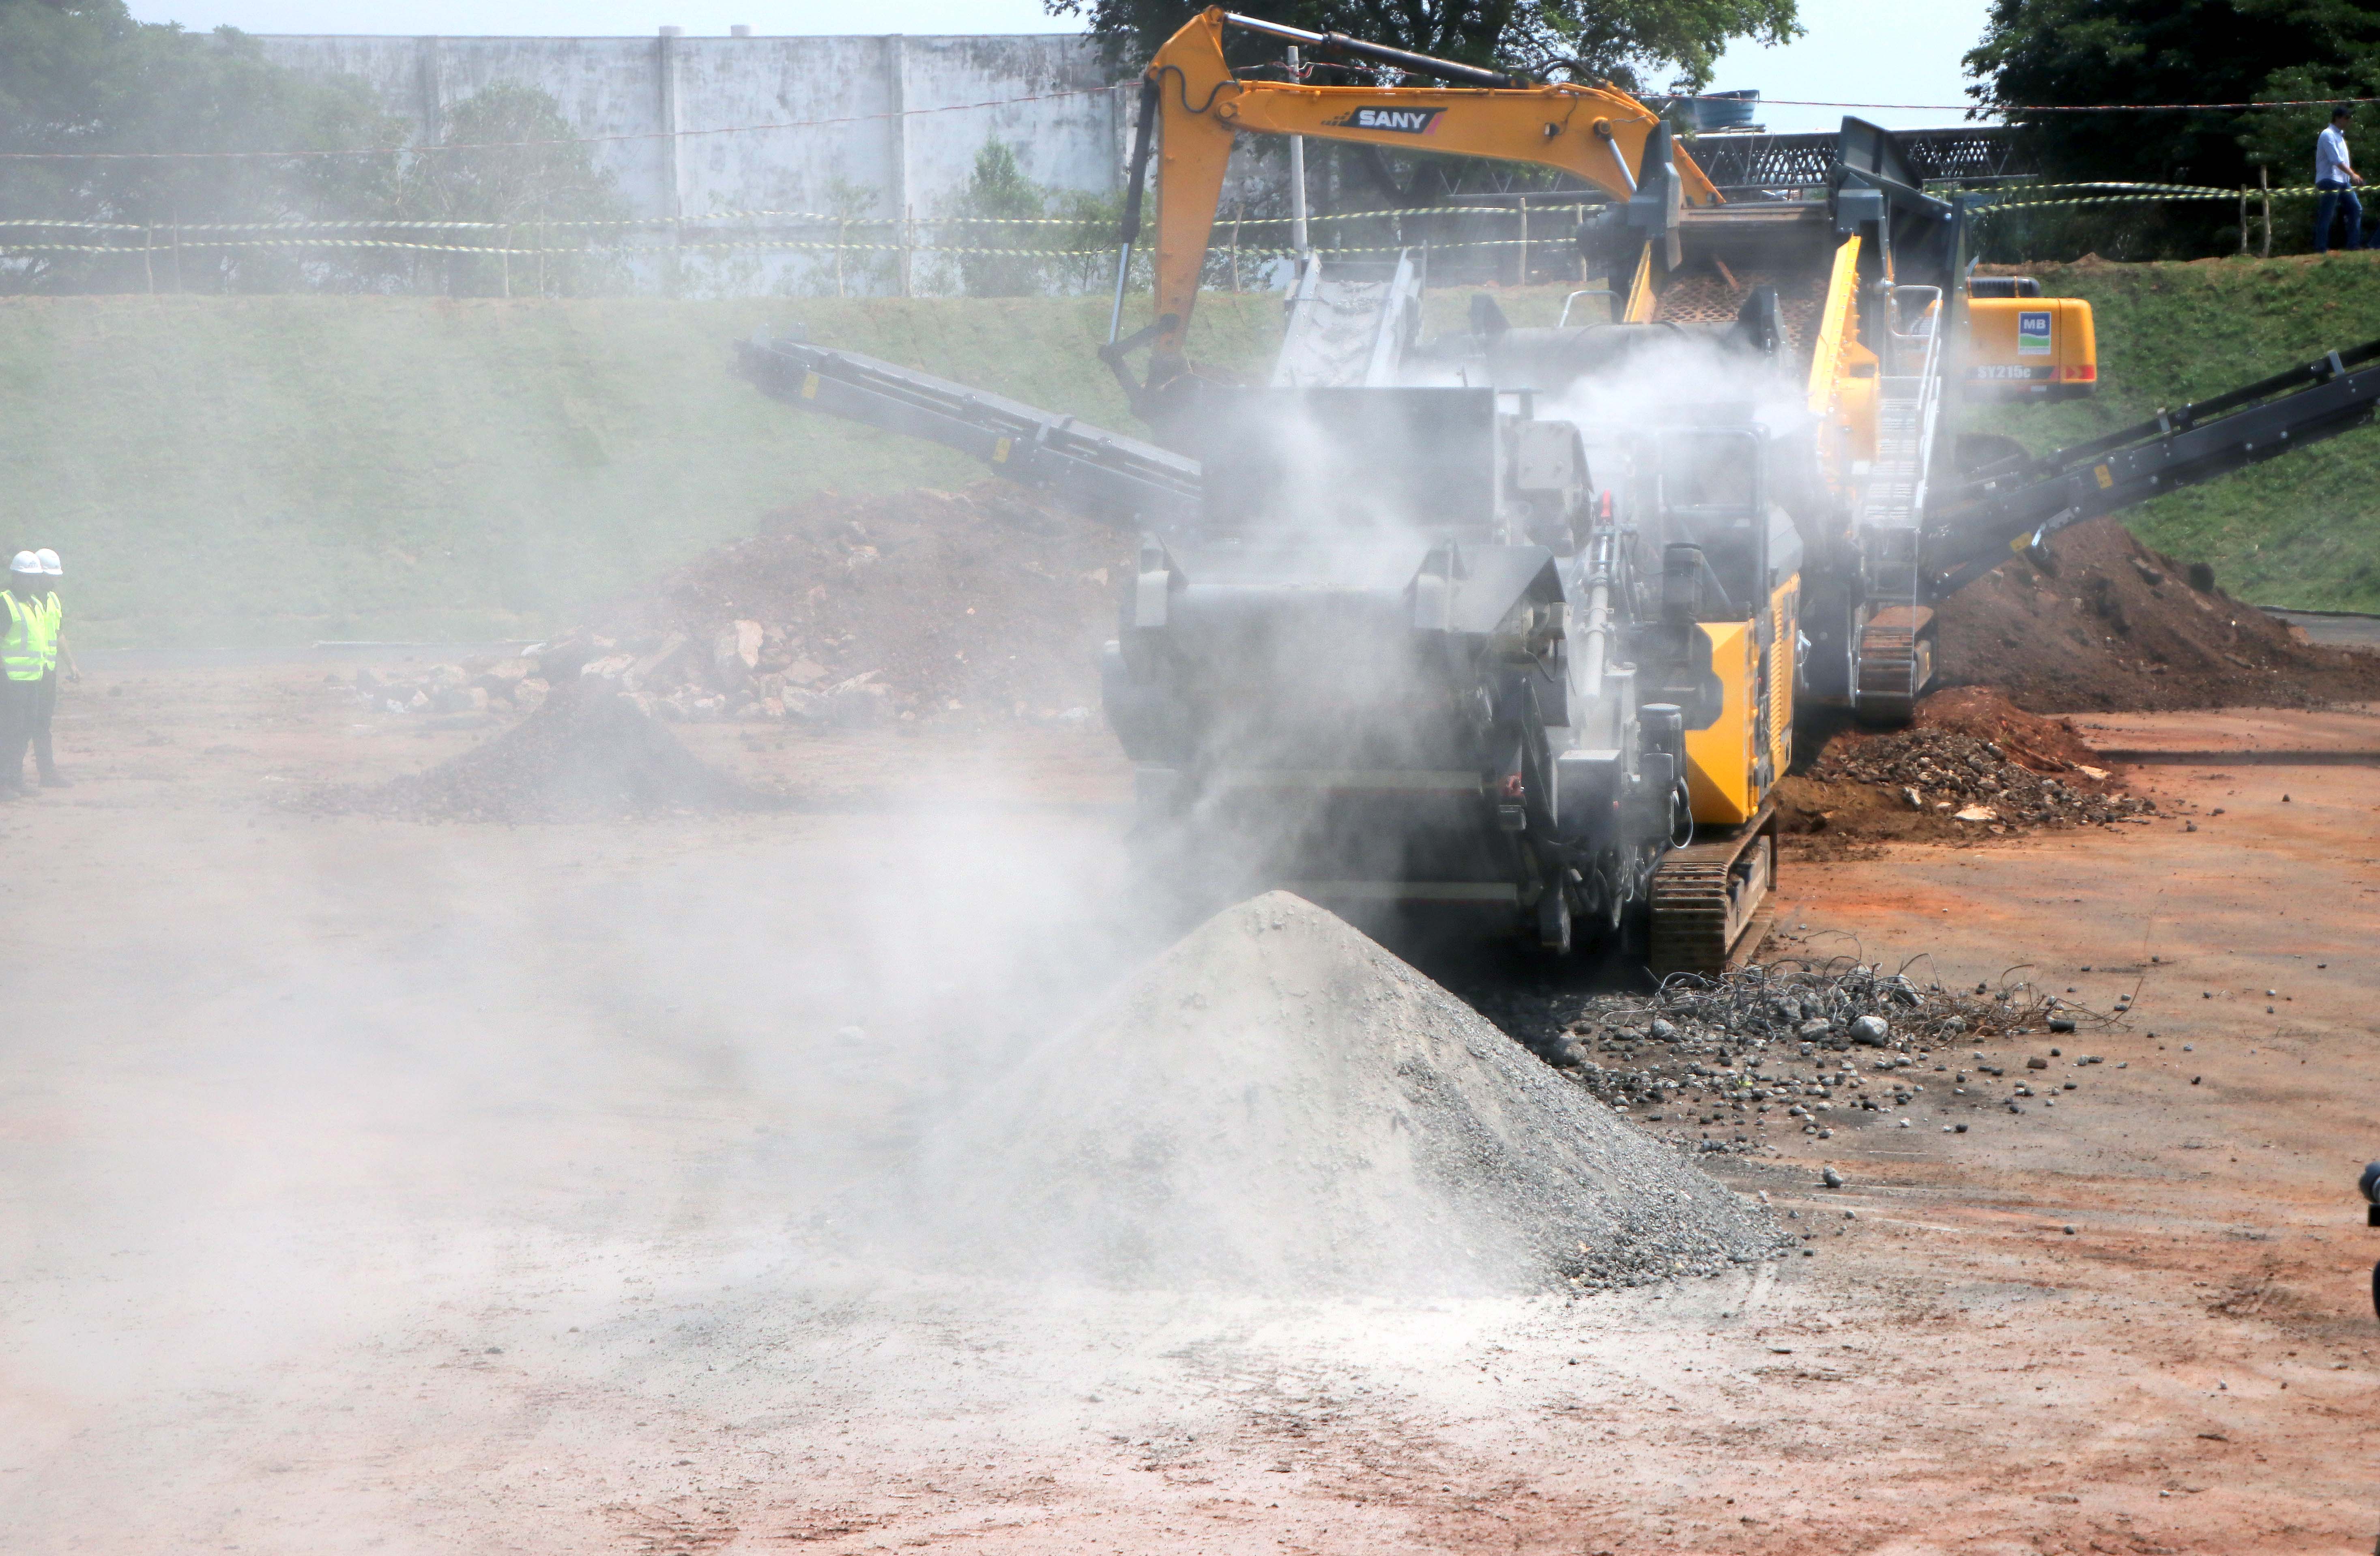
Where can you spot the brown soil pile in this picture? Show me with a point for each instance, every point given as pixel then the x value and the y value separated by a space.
pixel 1967 747
pixel 2045 745
pixel 985 603
pixel 586 754
pixel 2115 626
pixel 1975 781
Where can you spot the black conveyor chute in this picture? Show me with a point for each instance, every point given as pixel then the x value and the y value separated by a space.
pixel 1983 522
pixel 1120 480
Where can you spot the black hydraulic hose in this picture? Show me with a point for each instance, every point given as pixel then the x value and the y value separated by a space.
pixel 1339 43
pixel 1130 227
pixel 1140 148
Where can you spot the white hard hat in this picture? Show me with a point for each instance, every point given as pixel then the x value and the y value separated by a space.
pixel 49 560
pixel 25 562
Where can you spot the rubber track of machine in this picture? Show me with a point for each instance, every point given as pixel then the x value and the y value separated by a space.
pixel 1697 926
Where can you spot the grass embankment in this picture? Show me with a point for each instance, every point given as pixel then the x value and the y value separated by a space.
pixel 279 469
pixel 2303 530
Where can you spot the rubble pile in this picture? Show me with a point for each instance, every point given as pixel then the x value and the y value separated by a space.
pixel 984 604
pixel 1278 1103
pixel 475 685
pixel 1791 1045
pixel 1976 781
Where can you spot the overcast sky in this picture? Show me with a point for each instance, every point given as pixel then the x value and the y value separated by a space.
pixel 1901 51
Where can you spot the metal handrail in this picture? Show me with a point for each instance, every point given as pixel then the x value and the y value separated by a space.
pixel 1583 292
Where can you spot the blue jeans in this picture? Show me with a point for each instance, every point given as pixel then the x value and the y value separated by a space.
pixel 2335 196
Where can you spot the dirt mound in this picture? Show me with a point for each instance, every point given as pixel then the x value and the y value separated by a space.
pixel 2045 745
pixel 985 603
pixel 1968 747
pixel 586 754
pixel 2113 625
pixel 1975 780
pixel 1278 1103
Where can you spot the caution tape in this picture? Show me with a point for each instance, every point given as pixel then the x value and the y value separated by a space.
pixel 762 244
pixel 2288 193
pixel 808 218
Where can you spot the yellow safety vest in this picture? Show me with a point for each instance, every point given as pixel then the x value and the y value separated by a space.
pixel 53 616
pixel 21 654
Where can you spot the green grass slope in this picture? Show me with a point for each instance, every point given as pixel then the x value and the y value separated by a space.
pixel 2303 530
pixel 279 469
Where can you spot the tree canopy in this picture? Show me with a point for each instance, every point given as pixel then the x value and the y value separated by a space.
pixel 1638 46
pixel 2174 51
pixel 82 76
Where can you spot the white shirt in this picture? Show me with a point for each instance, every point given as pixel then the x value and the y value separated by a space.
pixel 2330 163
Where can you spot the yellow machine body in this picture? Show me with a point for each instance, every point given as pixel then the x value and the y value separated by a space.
pixel 1732 761
pixel 2030 348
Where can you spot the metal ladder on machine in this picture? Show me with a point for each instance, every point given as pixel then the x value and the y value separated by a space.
pixel 1892 649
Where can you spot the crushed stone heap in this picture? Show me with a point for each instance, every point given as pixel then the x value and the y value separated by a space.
pixel 1276 1104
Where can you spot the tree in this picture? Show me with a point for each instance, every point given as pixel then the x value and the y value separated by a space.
pixel 999 209
pixel 1632 44
pixel 2055 52
pixel 82 76
pixel 516 164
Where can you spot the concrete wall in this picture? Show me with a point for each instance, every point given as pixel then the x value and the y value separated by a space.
pixel 907 141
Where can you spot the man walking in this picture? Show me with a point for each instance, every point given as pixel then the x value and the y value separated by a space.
pixel 2334 179
pixel 45 700
pixel 21 657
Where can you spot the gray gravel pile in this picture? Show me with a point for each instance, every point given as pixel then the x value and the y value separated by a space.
pixel 1941 769
pixel 1277 1103
pixel 1726 1062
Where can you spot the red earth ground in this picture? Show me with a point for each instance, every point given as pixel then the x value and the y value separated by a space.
pixel 377 1185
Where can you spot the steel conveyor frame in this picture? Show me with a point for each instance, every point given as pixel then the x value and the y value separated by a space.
pixel 2176 448
pixel 1132 484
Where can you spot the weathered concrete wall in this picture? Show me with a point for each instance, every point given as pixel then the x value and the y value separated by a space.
pixel 898 140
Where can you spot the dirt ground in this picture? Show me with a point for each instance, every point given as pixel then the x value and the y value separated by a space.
pixel 374 1185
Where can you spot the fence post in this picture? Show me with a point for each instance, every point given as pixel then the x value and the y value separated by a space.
pixel 1524 278
pixel 148 265
pixel 2265 177
pixel 504 237
pixel 908 248
pixel 2243 223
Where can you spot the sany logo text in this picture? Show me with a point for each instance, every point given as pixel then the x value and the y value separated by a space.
pixel 1395 121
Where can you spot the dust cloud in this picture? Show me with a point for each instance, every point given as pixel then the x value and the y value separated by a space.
pixel 375 1135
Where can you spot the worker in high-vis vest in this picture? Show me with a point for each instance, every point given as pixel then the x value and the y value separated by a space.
pixel 54 647
pixel 23 660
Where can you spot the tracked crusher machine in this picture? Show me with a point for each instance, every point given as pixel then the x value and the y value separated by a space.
pixel 1517 621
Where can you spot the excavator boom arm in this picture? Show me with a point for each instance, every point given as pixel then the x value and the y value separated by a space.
pixel 1595 133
